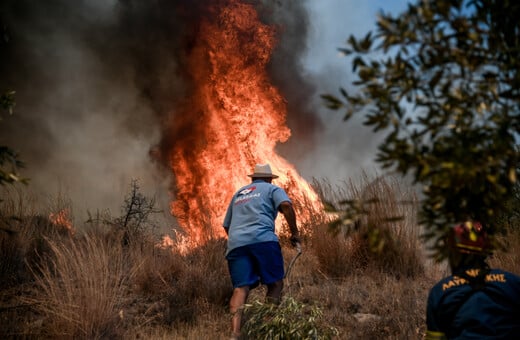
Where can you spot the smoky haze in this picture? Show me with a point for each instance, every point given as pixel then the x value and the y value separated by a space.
pixel 97 84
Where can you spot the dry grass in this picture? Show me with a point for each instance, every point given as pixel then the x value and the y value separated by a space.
pixel 79 292
pixel 509 259
pixel 95 284
pixel 383 236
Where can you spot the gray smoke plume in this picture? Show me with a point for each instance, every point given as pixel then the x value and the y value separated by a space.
pixel 97 84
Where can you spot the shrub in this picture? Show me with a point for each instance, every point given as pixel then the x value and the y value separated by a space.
pixel 508 258
pixel 186 283
pixel 289 320
pixel 80 291
pixel 375 225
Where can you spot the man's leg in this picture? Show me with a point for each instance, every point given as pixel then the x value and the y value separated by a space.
pixel 274 292
pixel 238 300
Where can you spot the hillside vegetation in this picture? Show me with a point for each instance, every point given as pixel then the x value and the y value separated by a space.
pixel 111 278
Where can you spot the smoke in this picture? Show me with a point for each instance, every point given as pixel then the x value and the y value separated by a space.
pixel 97 84
pixel 82 124
pixel 288 73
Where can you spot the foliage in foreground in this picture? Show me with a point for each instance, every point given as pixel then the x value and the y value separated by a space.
pixel 288 320
pixel 9 159
pixel 441 80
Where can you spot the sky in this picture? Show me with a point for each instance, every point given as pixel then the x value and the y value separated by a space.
pixel 347 149
pixel 82 77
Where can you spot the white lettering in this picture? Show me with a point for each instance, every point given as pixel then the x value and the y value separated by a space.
pixel 246 197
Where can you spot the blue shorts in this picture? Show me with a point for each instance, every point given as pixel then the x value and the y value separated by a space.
pixel 255 263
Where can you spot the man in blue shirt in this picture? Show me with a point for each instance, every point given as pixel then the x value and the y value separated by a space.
pixel 253 252
pixel 475 302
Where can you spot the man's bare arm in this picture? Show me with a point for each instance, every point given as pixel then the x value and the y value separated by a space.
pixel 290 216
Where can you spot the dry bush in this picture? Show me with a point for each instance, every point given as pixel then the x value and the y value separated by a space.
pixel 101 286
pixel 334 252
pixel 377 228
pixel 156 269
pixel 21 232
pixel 12 255
pixel 508 258
pixel 372 306
pixel 22 244
pixel 204 283
pixel 202 286
pixel 184 285
pixel 22 240
pixel 208 264
pixel 391 220
pixel 79 293
pixel 13 278
pixel 212 325
pixel 11 252
pixel 155 272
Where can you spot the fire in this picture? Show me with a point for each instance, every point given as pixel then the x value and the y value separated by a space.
pixel 238 116
pixel 61 219
pixel 181 244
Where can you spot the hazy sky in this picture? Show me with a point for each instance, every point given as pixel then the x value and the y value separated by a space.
pixel 82 79
pixel 346 149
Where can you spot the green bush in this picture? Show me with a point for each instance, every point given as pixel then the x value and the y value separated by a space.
pixel 289 320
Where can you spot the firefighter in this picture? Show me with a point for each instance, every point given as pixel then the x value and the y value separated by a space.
pixel 475 302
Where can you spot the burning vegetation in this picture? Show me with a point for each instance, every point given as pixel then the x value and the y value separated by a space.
pixel 232 119
pixel 61 219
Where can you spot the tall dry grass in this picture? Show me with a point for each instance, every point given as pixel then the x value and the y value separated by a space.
pixel 382 231
pixel 508 258
pixel 80 290
pixel 100 283
pixel 182 285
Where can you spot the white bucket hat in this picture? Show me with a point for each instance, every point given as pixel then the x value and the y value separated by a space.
pixel 263 171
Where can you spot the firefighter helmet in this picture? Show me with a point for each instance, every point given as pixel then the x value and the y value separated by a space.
pixel 470 237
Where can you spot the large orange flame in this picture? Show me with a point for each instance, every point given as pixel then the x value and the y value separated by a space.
pixel 239 117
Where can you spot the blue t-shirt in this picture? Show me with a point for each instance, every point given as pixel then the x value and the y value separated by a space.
pixel 251 214
pixel 457 311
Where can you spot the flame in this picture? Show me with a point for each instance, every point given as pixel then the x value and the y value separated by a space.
pixel 62 219
pixel 238 117
pixel 180 244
